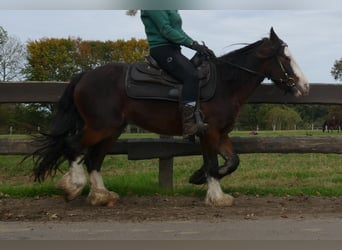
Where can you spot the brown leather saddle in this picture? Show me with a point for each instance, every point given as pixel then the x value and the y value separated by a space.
pixel 145 80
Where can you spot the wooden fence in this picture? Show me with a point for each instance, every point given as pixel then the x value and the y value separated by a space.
pixel 167 148
pixel 49 92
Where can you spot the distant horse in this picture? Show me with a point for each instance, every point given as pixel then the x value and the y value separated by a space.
pixel 95 109
pixel 332 124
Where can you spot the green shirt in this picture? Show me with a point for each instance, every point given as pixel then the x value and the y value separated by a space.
pixel 164 27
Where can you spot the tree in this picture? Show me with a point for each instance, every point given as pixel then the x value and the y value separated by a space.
pixel 12 61
pixel 92 54
pixel 336 70
pixel 12 57
pixel 283 117
pixel 51 59
pixel 247 119
pixel 312 114
pixel 59 59
pixel 261 114
pixel 3 35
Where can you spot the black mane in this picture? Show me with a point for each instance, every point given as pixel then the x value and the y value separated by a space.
pixel 244 50
pixel 232 62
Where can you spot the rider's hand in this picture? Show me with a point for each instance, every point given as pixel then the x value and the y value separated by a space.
pixel 202 49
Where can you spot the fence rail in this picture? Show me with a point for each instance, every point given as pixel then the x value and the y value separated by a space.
pixel 166 149
pixel 140 149
pixel 50 92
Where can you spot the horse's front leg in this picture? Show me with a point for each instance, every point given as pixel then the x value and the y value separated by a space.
pixel 225 149
pixel 215 196
pixel 227 152
pixel 210 172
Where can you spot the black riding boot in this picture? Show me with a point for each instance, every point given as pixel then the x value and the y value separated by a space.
pixel 190 127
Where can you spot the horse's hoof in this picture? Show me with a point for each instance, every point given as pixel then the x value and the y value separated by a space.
pixel 225 200
pixel 71 188
pixel 102 197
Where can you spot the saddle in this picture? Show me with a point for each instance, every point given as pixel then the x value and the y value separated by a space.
pixel 146 80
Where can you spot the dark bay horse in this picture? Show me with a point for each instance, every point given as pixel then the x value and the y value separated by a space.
pixel 95 109
pixel 332 124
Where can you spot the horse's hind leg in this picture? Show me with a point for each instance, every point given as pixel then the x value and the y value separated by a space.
pixel 98 194
pixel 73 182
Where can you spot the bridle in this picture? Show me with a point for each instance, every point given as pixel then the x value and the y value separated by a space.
pixel 288 81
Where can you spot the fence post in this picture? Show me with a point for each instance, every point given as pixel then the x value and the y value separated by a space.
pixel 166 173
pixel 166 170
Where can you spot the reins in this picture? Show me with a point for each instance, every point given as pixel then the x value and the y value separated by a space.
pixel 242 68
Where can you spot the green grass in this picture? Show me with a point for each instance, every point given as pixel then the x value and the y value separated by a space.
pixel 233 133
pixel 258 174
pixel 287 133
pixel 288 174
pixel 15 136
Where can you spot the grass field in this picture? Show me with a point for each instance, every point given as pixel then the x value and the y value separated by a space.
pixel 258 174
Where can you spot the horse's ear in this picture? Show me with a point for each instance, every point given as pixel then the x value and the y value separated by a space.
pixel 268 51
pixel 273 36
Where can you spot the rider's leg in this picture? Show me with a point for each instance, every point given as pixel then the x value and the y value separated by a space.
pixel 172 61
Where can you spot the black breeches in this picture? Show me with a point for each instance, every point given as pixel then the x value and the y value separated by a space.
pixel 177 65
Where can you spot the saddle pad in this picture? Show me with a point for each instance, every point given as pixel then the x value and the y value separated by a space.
pixel 144 82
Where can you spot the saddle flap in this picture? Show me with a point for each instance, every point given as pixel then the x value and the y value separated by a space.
pixel 146 81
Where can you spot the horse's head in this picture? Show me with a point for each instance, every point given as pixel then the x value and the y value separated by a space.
pixel 282 67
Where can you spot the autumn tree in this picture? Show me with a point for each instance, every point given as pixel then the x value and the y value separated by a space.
pixel 129 51
pixel 59 59
pixel 51 59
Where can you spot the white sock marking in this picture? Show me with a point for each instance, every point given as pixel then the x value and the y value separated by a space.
pixel 214 189
pixel 77 172
pixel 96 180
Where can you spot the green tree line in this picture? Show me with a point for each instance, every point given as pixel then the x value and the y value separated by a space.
pixel 52 59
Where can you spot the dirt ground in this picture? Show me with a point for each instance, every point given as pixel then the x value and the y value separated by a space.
pixel 166 208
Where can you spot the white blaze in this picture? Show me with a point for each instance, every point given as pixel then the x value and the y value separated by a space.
pixel 303 83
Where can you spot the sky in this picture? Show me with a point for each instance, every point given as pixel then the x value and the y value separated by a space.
pixel 313 35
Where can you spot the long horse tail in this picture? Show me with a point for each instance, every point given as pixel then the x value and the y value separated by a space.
pixel 63 141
